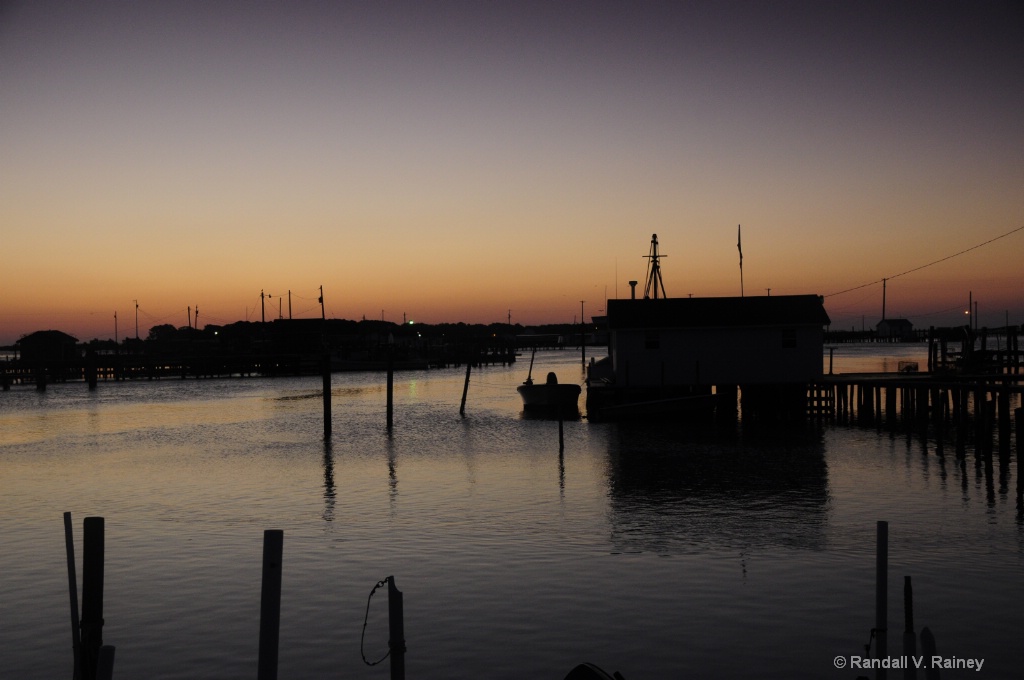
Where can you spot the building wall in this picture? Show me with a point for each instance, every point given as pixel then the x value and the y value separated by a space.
pixel 707 356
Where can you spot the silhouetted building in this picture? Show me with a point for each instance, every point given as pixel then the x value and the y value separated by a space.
pixel 895 329
pixel 47 347
pixel 717 341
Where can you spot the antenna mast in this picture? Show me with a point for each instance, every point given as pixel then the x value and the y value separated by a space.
pixel 654 281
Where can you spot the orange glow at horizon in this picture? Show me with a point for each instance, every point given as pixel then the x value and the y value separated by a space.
pixel 518 158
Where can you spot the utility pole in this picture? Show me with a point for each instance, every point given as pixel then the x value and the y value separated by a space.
pixel 263 307
pixel 883 298
pixel 136 319
pixel 583 336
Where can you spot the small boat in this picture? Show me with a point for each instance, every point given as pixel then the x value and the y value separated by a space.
pixel 549 397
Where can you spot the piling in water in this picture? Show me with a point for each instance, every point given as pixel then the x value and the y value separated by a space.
pixel 270 604
pixel 465 389
pixel 881 593
pixel 76 641
pixel 396 630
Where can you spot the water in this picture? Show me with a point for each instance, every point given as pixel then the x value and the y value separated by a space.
pixel 659 551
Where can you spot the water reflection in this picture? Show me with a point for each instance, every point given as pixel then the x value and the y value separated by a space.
pixel 329 492
pixel 675 490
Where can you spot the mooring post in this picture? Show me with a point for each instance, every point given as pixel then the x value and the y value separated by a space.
pixel 881 594
pixel 105 663
pixel 327 394
pixel 396 630
pixel 391 380
pixel 465 389
pixel 928 649
pixel 92 595
pixel 1003 401
pixel 76 641
pixel 909 637
pixel 561 434
pixel 270 604
pixel 1018 412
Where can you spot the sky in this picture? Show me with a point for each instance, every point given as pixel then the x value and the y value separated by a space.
pixel 484 161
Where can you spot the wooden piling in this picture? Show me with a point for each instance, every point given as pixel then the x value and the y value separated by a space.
pixel 928 649
pixel 881 593
pixel 326 375
pixel 1018 413
pixel 890 406
pixel 909 637
pixel 105 663
pixel 465 389
pixel 92 596
pixel 396 630
pixel 391 384
pixel 1003 400
pixel 270 604
pixel 76 641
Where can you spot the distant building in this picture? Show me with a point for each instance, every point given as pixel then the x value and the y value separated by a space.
pixel 895 329
pixel 47 347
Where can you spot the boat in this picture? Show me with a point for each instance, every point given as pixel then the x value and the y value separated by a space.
pixel 550 397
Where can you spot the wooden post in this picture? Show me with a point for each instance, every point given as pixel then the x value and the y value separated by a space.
pixel 105 663
pixel 465 389
pixel 76 641
pixel 561 435
pixel 928 649
pixel 391 381
pixel 1018 413
pixel 909 638
pixel 270 604
pixel 1003 400
pixel 327 394
pixel 92 596
pixel 881 593
pixel 396 630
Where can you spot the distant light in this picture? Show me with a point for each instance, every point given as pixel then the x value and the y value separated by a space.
pixel 411 322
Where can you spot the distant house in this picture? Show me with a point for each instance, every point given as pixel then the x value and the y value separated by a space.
pixel 716 341
pixel 47 348
pixel 895 329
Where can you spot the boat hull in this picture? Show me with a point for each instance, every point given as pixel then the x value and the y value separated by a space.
pixel 547 398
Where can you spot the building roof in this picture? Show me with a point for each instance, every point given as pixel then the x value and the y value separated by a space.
pixel 50 337
pixel 904 323
pixel 718 312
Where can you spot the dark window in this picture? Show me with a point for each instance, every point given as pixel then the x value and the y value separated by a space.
pixel 788 338
pixel 652 340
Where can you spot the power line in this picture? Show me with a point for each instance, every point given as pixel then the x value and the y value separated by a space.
pixel 915 269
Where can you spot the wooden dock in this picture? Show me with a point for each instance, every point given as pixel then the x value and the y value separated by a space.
pixel 978 409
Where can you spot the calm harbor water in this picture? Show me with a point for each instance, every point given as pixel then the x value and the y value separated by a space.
pixel 661 551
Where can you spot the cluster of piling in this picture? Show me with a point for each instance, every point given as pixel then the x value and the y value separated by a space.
pixel 94 660
pixel 983 414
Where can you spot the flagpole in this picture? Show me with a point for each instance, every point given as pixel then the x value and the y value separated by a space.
pixel 739 247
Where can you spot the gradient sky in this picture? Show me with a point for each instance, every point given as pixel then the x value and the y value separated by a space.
pixel 452 161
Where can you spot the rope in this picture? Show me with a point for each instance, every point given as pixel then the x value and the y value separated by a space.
pixel 366 618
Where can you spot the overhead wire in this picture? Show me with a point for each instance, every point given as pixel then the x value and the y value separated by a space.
pixel 924 266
